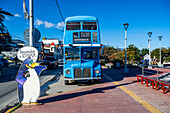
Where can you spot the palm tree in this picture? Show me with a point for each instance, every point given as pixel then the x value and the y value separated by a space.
pixel 3 14
pixel 4 31
pixel 2 18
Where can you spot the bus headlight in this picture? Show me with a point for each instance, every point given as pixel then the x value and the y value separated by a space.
pixel 97 71
pixel 67 71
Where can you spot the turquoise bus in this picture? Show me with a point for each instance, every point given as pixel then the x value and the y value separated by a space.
pixel 81 49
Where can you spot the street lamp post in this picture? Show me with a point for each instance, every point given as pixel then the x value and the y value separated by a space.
pixel 126 26
pixel 149 33
pixel 160 37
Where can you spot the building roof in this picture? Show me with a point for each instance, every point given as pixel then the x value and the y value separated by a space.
pixel 18 41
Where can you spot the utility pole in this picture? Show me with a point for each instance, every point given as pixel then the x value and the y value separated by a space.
pixel 31 36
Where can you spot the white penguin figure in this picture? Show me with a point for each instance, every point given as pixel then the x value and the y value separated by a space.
pixel 31 87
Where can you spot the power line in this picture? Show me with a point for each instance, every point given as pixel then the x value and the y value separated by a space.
pixel 59 10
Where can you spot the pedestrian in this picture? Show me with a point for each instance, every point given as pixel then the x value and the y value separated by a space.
pixel 16 60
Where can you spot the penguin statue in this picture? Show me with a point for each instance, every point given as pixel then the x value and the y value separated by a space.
pixel 28 82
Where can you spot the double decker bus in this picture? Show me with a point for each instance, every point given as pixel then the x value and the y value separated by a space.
pixel 81 49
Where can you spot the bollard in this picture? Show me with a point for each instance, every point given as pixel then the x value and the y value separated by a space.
pixel 142 70
pixel 157 72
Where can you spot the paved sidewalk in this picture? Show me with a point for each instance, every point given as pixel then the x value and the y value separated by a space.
pixel 101 98
pixel 124 95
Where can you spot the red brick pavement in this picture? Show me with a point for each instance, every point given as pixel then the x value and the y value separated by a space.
pixel 101 98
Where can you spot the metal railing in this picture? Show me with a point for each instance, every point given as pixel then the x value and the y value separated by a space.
pixel 154 66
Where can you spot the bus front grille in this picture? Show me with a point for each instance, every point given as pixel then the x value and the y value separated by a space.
pixel 86 72
pixel 77 73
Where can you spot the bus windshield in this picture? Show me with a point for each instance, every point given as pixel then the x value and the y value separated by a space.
pixel 91 54
pixel 72 54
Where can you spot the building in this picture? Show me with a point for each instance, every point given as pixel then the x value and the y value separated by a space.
pixel 51 47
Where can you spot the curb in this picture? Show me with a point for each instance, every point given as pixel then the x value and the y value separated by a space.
pixel 19 104
pixel 14 108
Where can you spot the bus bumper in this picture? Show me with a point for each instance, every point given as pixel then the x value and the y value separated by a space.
pixel 93 78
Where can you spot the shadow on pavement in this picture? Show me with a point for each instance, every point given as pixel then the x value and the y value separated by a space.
pixel 118 74
pixel 9 73
pixel 46 87
pixel 78 94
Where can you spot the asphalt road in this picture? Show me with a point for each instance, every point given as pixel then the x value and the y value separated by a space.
pixel 8 85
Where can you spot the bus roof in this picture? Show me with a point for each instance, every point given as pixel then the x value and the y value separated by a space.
pixel 80 18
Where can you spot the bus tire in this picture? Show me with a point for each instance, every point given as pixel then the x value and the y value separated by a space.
pixel 66 82
pixel 99 81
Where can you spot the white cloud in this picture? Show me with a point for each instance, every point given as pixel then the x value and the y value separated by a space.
pixel 60 25
pixel 17 15
pixel 38 22
pixel 48 24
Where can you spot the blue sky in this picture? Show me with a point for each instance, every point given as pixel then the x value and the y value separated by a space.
pixel 142 15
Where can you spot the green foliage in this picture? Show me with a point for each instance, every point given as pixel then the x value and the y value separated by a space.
pixel 116 54
pixel 155 53
pixel 134 54
pixel 165 54
pixel 3 14
pixel 144 51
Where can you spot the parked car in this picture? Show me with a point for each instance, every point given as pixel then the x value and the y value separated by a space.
pixel 60 60
pixel 5 62
pixel 1 64
pixel 1 72
pixel 50 62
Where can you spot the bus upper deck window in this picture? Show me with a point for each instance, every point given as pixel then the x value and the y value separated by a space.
pixel 89 25
pixel 73 26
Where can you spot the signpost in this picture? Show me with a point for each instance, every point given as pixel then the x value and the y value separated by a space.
pixel 36 32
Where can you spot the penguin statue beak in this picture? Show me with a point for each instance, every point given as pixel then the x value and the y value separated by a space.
pixel 32 65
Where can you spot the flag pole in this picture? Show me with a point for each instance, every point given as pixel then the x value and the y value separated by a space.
pixel 31 43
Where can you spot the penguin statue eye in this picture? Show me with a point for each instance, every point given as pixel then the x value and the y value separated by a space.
pixel 30 63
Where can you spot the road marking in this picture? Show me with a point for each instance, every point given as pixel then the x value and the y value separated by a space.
pixel 14 108
pixel 134 96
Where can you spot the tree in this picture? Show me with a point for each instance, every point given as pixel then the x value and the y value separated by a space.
pixel 2 18
pixel 166 54
pixel 132 52
pixel 155 54
pixel 144 51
